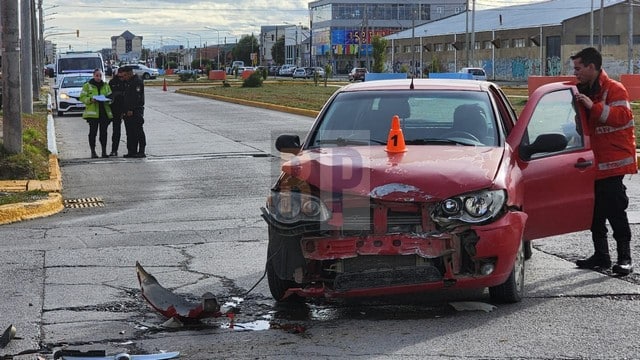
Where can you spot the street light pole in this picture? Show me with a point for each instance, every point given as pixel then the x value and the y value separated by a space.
pixel 217 45
pixel 200 50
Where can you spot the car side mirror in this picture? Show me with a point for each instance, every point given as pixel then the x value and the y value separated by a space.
pixel 544 143
pixel 288 144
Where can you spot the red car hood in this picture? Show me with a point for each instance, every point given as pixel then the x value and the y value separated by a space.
pixel 422 173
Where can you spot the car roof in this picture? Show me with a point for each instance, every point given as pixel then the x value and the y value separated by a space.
pixel 419 84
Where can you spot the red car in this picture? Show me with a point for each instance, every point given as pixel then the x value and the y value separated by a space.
pixel 408 186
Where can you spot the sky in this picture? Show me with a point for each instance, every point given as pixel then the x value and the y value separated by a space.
pixel 175 22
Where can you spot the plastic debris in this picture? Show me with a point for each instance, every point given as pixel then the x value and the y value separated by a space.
pixel 7 336
pixel 472 306
pixel 101 355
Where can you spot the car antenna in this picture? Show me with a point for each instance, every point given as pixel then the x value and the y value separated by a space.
pixel 411 86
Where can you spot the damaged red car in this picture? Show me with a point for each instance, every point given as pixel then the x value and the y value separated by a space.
pixel 414 186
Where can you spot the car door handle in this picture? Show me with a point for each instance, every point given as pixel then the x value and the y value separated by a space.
pixel 582 163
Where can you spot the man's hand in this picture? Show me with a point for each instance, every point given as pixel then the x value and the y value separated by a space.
pixel 584 100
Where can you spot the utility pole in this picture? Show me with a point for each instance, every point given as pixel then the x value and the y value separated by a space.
pixel 12 123
pixel 26 78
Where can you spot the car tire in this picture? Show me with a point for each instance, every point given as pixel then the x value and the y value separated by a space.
pixel 277 286
pixel 528 250
pixel 512 290
pixel 146 76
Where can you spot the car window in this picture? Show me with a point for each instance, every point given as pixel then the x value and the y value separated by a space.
pixel 555 113
pixel 74 81
pixel 426 118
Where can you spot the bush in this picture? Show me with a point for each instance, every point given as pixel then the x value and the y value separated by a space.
pixel 186 76
pixel 254 80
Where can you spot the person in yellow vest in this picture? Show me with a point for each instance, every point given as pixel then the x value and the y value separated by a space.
pixel 96 95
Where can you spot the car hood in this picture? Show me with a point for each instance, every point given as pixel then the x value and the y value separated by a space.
pixel 422 173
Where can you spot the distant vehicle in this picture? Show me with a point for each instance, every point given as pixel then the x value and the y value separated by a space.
pixel 477 73
pixel 357 73
pixel 78 62
pixel 300 73
pixel 68 91
pixel 237 63
pixel 144 71
pixel 286 70
pixel 320 71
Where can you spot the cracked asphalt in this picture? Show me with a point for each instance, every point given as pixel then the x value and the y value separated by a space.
pixel 189 213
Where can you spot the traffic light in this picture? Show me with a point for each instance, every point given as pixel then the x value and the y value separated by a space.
pixel 77 33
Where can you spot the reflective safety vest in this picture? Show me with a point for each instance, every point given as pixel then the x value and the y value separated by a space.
pixel 92 109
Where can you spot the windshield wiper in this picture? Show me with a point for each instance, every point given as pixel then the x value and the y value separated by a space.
pixel 346 142
pixel 438 142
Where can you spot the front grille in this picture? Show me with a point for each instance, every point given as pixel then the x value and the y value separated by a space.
pixel 387 277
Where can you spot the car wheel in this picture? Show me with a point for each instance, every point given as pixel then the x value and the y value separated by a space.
pixel 528 250
pixel 277 286
pixel 146 76
pixel 512 290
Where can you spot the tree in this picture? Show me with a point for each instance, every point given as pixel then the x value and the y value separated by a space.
pixel 277 51
pixel 243 49
pixel 379 53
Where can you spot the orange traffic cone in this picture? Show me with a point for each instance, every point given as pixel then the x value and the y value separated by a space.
pixel 395 141
pixel 164 84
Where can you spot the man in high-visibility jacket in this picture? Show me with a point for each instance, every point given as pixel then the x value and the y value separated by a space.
pixel 610 123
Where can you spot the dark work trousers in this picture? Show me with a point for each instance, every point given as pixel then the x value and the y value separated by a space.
pixel 115 136
pixel 136 139
pixel 611 203
pixel 94 124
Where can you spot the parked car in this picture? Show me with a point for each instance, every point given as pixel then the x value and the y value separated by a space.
pixel 476 73
pixel 67 92
pixel 286 70
pixel 412 186
pixel 357 74
pixel 144 72
pixel 300 73
pixel 320 71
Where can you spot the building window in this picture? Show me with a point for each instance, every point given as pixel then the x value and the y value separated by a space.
pixel 505 44
pixel 439 10
pixel 416 48
pixel 458 9
pixel 406 49
pixel 450 47
pixel 636 39
pixel 487 44
pixel 519 43
pixel 583 40
pixel 476 45
pixel 439 47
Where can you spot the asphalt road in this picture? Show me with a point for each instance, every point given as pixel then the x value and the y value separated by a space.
pixel 189 213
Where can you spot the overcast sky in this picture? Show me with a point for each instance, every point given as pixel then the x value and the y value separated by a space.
pixel 165 22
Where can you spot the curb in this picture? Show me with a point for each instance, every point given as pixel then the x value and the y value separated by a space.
pixel 303 112
pixel 53 204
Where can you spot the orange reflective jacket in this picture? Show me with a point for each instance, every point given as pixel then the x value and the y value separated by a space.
pixel 612 129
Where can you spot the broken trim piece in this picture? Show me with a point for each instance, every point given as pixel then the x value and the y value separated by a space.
pixel 171 305
pixel 7 336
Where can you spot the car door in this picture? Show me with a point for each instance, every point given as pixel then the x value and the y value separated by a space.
pixel 558 186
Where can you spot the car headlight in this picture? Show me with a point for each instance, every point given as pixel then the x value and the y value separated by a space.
pixel 292 207
pixel 470 208
pixel 64 96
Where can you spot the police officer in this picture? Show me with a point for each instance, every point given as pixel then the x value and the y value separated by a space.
pixel 133 113
pixel 97 112
pixel 117 85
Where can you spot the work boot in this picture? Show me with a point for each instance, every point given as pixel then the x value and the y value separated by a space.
pixel 114 153
pixel 595 262
pixel 623 267
pixel 94 154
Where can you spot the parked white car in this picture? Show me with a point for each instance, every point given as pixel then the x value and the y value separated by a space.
pixel 476 73
pixel 144 72
pixel 67 92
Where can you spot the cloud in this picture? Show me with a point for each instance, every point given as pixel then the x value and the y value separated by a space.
pixel 99 20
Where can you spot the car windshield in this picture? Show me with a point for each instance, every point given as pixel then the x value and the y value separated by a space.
pixel 426 118
pixel 74 81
